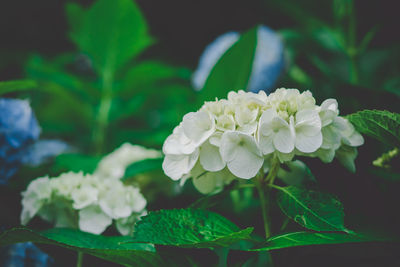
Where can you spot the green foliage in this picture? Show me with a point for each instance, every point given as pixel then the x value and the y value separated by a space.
pixel 142 167
pixel 189 228
pixel 14 86
pixel 114 248
pixel 379 124
pixel 311 209
pixel 232 71
pixel 76 163
pixel 111 32
pixel 296 239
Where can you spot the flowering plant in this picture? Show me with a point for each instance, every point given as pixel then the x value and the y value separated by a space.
pixel 248 132
pixel 90 202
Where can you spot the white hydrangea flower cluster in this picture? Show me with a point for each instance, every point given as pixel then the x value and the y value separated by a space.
pixel 90 202
pixel 236 137
pixel 87 202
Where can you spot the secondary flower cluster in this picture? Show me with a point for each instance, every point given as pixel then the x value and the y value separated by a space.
pixel 90 202
pixel 244 132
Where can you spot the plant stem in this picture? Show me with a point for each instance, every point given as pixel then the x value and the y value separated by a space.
pixel 264 206
pixel 99 132
pixel 80 259
pixel 264 193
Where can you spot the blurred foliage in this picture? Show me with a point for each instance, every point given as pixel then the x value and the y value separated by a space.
pixel 111 86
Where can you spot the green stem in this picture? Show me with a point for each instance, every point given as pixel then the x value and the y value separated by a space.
pixel 264 193
pixel 102 118
pixel 352 45
pixel 80 259
pixel 264 206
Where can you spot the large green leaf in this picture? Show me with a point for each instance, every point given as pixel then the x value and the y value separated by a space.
pixel 142 167
pixel 18 85
pixel 112 32
pixel 190 228
pixel 113 249
pixel 311 209
pixel 232 71
pixel 379 124
pixel 296 239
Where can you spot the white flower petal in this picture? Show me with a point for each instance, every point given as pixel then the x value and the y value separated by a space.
pixel 308 122
pixel 198 126
pixel 242 154
pixel 284 139
pixel 308 144
pixel 93 220
pixel 210 158
pixel 177 143
pixel 175 166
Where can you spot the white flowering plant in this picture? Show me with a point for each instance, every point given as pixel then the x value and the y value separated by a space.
pixel 268 159
pixel 249 135
pixel 90 202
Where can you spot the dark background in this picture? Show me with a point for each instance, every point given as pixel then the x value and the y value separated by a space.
pixel 183 28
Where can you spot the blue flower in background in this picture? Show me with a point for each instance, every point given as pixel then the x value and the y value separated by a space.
pixel 268 61
pixel 18 129
pixel 24 255
pixel 19 132
pixel 41 151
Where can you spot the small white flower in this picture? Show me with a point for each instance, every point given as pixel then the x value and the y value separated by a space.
pixel 275 133
pixel 198 126
pixel 93 220
pixel 210 157
pixel 84 196
pixel 241 153
pixel 175 166
pixel 35 196
pixel 308 131
pixel 178 143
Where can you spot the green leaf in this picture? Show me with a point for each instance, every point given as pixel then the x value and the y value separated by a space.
pixel 75 15
pixel 112 32
pixel 379 124
pixel 232 71
pixel 150 73
pixel 297 239
pixel 76 163
pixel 142 166
pixel 311 209
pixel 113 248
pixel 189 228
pixel 18 85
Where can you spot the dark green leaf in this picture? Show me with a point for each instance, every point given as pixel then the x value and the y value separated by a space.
pixel 76 163
pixel 190 228
pixel 311 209
pixel 75 16
pixel 113 249
pixel 149 73
pixel 142 167
pixel 379 124
pixel 232 71
pixel 296 239
pixel 112 32
pixel 19 85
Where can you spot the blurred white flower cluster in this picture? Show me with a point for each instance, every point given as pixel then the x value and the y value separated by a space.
pixel 90 202
pixel 236 137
